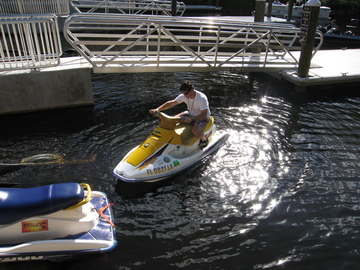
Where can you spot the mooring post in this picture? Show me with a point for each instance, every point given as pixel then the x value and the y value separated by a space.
pixel 309 21
pixel 269 8
pixel 289 11
pixel 259 17
pixel 259 11
pixel 173 7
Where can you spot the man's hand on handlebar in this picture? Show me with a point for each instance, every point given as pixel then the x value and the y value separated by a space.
pixel 154 111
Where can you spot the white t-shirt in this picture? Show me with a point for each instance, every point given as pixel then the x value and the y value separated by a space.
pixel 195 105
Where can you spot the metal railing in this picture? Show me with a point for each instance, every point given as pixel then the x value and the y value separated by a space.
pixel 58 7
pixel 151 7
pixel 29 42
pixel 125 43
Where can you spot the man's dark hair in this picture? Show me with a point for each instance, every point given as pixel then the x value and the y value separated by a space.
pixel 186 86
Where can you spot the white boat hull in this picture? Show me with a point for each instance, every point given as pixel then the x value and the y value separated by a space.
pixel 281 11
pixel 65 233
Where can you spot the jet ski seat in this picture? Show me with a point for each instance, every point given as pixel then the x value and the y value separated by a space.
pixel 20 203
pixel 185 130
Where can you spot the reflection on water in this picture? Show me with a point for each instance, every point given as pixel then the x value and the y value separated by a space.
pixel 283 192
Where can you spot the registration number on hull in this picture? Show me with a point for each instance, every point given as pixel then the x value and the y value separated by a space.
pixel 160 169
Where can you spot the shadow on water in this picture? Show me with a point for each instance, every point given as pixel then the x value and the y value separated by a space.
pixel 43 124
pixel 136 190
pixel 93 261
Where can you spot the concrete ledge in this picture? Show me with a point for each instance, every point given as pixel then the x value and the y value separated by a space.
pixel 313 79
pixel 34 91
pixel 328 67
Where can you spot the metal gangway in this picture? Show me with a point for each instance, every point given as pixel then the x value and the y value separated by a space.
pixel 62 7
pixel 115 43
pixel 135 7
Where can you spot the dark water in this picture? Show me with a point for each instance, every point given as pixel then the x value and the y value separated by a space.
pixel 282 194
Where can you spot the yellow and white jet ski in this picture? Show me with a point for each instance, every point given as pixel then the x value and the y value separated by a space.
pixel 54 221
pixel 168 150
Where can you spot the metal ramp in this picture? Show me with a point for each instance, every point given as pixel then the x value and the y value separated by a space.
pixel 152 7
pixel 115 43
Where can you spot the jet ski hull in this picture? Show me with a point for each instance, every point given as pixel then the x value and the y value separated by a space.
pixel 167 165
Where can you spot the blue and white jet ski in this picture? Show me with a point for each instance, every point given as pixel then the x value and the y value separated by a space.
pixel 168 150
pixel 54 221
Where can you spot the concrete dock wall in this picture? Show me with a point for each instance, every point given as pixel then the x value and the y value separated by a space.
pixel 34 91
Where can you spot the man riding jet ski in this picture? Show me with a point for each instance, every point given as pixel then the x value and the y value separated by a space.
pixel 176 144
pixel 59 220
pixel 198 113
